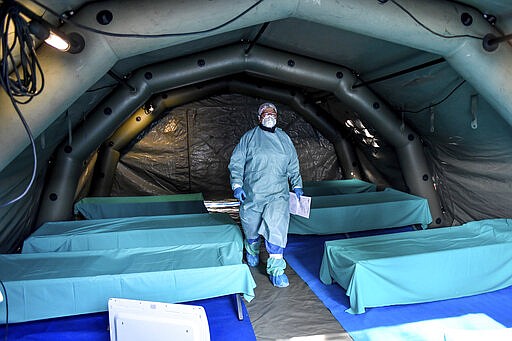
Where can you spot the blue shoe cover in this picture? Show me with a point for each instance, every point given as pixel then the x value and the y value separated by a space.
pixel 280 281
pixel 252 260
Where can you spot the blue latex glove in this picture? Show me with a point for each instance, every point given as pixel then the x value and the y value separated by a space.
pixel 239 194
pixel 298 192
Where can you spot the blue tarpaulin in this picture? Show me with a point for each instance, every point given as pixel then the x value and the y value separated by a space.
pixel 222 321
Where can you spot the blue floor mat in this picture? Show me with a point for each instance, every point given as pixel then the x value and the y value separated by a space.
pixel 220 311
pixel 491 310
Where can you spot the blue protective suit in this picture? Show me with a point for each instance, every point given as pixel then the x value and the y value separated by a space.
pixel 265 164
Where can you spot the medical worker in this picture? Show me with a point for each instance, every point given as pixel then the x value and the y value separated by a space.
pixel 264 166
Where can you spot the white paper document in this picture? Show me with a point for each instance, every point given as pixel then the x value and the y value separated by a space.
pixel 300 208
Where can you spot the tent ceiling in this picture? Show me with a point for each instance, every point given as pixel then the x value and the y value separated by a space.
pixel 366 55
pixel 367 44
pixel 296 33
pixel 369 57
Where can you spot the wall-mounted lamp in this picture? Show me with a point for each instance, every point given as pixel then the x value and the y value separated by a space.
pixel 42 30
pixel 51 37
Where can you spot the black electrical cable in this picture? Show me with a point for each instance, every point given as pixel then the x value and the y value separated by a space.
pixel 431 30
pixel 6 310
pixel 34 153
pixel 133 35
pixel 399 73
pixel 27 80
pixel 24 82
pixel 436 103
pixel 102 87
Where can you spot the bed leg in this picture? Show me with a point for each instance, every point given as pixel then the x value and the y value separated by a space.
pixel 239 307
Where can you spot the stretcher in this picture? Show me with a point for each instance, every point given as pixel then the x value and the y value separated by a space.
pixel 334 187
pixel 421 266
pixel 56 284
pixel 117 207
pixel 134 232
pixel 74 267
pixel 362 211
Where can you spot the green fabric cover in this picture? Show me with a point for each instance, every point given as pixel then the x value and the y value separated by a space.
pixel 104 234
pixel 47 285
pixel 117 207
pixel 421 266
pixel 362 211
pixel 333 187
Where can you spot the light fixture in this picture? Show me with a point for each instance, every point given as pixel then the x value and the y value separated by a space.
pixel 42 30
pixel 367 133
pixel 359 124
pixel 50 36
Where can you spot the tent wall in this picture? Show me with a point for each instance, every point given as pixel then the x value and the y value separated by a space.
pixel 189 149
pixel 57 202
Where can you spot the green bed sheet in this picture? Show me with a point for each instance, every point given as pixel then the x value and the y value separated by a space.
pixel 421 266
pixel 334 187
pixel 362 211
pixel 55 284
pixel 104 234
pixel 117 207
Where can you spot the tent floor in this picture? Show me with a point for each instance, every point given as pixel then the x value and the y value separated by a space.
pixel 285 313
pixel 292 312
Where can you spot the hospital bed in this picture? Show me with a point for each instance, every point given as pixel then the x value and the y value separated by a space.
pixel 334 187
pixel 421 266
pixel 117 207
pixel 55 284
pixel 71 268
pixel 135 232
pixel 344 213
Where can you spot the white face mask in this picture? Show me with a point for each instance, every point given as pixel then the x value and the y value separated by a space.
pixel 269 121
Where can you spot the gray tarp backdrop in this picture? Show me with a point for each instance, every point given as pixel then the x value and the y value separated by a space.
pixel 189 149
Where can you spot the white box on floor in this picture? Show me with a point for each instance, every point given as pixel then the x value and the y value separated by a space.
pixel 144 320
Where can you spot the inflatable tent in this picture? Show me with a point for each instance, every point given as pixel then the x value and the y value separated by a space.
pixel 154 95
pixel 350 69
